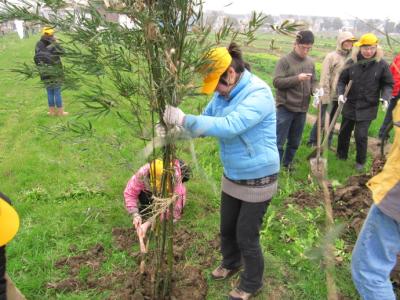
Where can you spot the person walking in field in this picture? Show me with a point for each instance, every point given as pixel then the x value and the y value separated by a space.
pixel 395 70
pixel 378 244
pixel 47 58
pixel 241 114
pixel 295 81
pixel 372 82
pixel 332 66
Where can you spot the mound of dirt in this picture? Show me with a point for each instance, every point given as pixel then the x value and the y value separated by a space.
pixel 188 282
pixel 351 204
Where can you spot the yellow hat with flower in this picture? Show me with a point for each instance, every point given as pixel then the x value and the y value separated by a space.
pixel 48 31
pixel 219 61
pixel 368 39
pixel 9 221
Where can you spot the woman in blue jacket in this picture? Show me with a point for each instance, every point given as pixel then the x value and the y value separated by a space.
pixel 242 116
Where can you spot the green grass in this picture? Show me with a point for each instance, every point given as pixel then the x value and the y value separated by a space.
pixel 68 191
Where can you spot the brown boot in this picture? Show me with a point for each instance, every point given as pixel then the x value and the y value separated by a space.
pixel 52 111
pixel 61 112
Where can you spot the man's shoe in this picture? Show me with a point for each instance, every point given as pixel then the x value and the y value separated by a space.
pixel 238 294
pixel 221 273
pixel 311 144
pixel 289 168
pixel 359 167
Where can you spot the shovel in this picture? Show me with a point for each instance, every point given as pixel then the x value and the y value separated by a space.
pixel 315 163
pixel 331 125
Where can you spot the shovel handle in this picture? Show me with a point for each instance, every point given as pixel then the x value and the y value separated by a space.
pixel 337 113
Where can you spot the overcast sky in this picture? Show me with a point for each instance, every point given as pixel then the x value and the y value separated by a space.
pixel 381 9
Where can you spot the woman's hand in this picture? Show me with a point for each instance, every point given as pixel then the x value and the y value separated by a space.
pixel 137 220
pixel 173 116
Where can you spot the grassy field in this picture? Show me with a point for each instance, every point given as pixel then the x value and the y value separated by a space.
pixel 68 191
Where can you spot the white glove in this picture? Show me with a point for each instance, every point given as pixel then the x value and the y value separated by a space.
pixel 315 102
pixel 342 99
pixel 174 132
pixel 173 116
pixel 319 92
pixel 385 104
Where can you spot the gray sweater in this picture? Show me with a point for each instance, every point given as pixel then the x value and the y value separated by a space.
pixel 290 91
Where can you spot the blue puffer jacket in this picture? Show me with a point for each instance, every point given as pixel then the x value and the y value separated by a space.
pixel 245 125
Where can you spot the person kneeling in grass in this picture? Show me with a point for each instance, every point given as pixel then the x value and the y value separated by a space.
pixel 138 193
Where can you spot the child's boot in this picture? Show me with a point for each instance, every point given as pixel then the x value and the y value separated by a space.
pixel 61 112
pixel 52 111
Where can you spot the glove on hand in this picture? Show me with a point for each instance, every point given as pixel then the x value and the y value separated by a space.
pixel 173 116
pixel 385 104
pixel 342 99
pixel 319 92
pixel 173 132
pixel 160 130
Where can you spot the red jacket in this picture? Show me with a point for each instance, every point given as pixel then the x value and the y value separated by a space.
pixel 396 75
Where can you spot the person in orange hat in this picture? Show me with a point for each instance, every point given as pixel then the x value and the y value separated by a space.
pixel 48 59
pixel 241 114
pixel 372 83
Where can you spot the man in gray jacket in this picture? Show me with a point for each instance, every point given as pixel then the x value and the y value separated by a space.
pixel 294 81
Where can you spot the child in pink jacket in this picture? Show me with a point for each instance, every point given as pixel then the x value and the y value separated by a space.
pixel 138 195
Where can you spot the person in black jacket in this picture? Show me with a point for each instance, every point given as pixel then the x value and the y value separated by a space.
pixel 371 82
pixel 47 58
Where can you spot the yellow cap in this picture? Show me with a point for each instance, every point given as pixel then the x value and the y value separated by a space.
pixel 220 60
pixel 9 222
pixel 156 171
pixel 48 31
pixel 369 39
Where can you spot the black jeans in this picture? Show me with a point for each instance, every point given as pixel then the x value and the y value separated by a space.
pixel 240 239
pixel 360 135
pixel 313 135
pixel 388 117
pixel 289 127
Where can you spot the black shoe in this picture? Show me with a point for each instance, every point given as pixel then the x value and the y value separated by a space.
pixel 359 167
pixel 311 144
pixel 289 168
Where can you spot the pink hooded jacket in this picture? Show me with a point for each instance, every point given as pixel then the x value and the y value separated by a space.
pixel 140 182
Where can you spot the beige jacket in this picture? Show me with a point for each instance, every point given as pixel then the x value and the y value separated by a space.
pixel 332 67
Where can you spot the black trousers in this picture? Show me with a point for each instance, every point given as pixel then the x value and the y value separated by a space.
pixel 360 134
pixel 240 239
pixel 3 282
pixel 388 118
